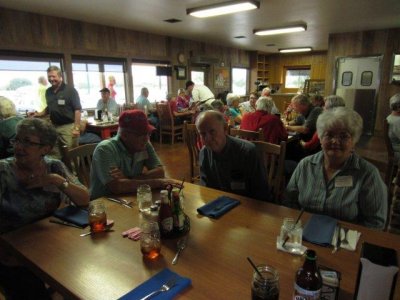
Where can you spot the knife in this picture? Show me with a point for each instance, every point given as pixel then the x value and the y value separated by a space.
pixel 119 201
pixel 65 223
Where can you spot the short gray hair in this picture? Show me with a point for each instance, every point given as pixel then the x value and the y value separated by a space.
pixel 144 90
pixel 265 104
pixel 215 114
pixel 332 101
pixel 54 68
pixel 230 98
pixel 7 108
pixel 344 117
pixel 45 131
pixel 301 99
pixel 266 91
pixel 395 102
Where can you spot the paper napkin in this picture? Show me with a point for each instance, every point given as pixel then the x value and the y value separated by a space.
pixel 218 207
pixel 352 237
pixel 155 283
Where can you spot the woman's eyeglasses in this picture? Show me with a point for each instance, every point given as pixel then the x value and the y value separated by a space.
pixel 341 137
pixel 24 143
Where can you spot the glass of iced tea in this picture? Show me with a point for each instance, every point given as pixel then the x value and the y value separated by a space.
pixel 150 242
pixel 97 216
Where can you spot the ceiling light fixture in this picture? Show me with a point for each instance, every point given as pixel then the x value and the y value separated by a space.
pixel 281 30
pixel 290 50
pixel 222 8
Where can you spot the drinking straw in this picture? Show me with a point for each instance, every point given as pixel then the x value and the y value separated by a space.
pixel 294 226
pixel 180 189
pixel 255 268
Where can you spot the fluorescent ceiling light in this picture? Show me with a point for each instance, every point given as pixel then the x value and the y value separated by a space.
pixel 281 30
pixel 222 8
pixel 290 50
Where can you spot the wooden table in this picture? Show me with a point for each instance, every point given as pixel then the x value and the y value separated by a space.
pixel 104 130
pixel 107 266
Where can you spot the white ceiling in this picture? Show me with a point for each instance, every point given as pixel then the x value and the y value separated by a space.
pixel 321 16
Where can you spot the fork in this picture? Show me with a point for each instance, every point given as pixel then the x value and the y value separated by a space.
pixel 165 287
pixel 345 241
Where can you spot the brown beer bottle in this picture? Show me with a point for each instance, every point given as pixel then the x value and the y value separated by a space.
pixel 308 280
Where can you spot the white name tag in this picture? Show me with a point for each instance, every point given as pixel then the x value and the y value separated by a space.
pixel 238 185
pixel 61 102
pixel 344 181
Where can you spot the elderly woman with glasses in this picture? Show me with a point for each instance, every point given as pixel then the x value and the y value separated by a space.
pixel 32 187
pixel 336 181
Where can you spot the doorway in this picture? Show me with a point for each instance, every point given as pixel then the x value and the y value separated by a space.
pixel 357 82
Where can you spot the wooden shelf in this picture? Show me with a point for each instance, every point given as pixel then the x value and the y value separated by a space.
pixel 263 68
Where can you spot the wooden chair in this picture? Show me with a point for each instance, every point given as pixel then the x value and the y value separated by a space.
pixel 393 221
pixel 392 164
pixel 273 159
pixel 191 137
pixel 247 134
pixel 78 160
pixel 167 122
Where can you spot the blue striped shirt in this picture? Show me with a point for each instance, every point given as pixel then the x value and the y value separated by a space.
pixel 361 199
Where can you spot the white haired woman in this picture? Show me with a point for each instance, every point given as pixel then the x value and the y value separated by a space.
pixel 232 100
pixel 272 126
pixel 336 181
pixel 8 122
pixel 394 124
pixel 32 187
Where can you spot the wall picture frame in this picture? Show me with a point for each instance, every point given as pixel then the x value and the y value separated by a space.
pixel 180 72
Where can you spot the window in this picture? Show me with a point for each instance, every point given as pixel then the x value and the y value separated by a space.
pixel 296 77
pixel 239 81
pixel 145 75
pixel 91 76
pixel 19 80
pixel 197 77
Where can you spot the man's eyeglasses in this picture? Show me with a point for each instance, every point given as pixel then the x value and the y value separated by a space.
pixel 341 137
pixel 24 143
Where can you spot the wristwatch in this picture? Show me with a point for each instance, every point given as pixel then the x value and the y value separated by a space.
pixel 64 185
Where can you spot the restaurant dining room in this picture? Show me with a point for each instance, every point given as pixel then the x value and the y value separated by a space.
pixel 242 149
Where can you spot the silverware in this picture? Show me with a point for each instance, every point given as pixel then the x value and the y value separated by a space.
pixel 123 202
pixel 344 241
pixel 181 245
pixel 65 223
pixel 165 287
pixel 338 239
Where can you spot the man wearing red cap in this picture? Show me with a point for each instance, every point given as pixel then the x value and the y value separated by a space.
pixel 122 163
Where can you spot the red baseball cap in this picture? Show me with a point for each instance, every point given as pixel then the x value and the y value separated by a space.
pixel 135 121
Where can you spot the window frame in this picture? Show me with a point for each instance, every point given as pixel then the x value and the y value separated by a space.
pixel 246 89
pixel 289 68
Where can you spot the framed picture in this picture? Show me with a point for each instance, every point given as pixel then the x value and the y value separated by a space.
pixel 180 72
pixel 222 79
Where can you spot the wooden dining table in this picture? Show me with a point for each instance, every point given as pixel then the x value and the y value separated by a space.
pixel 104 129
pixel 107 266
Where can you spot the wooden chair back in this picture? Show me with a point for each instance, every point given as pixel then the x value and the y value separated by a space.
pixel 193 143
pixel 273 159
pixel 167 122
pixel 78 160
pixel 390 170
pixel 393 221
pixel 247 134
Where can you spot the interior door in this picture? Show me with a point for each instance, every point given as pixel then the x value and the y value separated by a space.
pixel 357 82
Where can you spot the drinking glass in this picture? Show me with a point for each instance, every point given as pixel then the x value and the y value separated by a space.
pixel 144 198
pixel 150 242
pixel 293 233
pixel 267 286
pixel 97 216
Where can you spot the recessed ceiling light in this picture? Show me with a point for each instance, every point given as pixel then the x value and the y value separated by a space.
pixel 281 30
pixel 290 50
pixel 172 20
pixel 222 8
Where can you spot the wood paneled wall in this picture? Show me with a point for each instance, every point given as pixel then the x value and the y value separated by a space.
pixel 22 31
pixel 367 43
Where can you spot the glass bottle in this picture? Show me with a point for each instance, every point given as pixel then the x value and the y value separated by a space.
pixel 267 286
pixel 178 216
pixel 165 215
pixel 308 280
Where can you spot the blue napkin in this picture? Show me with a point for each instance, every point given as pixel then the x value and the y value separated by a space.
pixel 218 207
pixel 319 230
pixel 155 282
pixel 73 214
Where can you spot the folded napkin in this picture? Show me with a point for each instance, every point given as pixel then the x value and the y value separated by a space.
pixel 352 238
pixel 218 207
pixel 155 283
pixel 319 230
pixel 73 214
pixel 290 247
